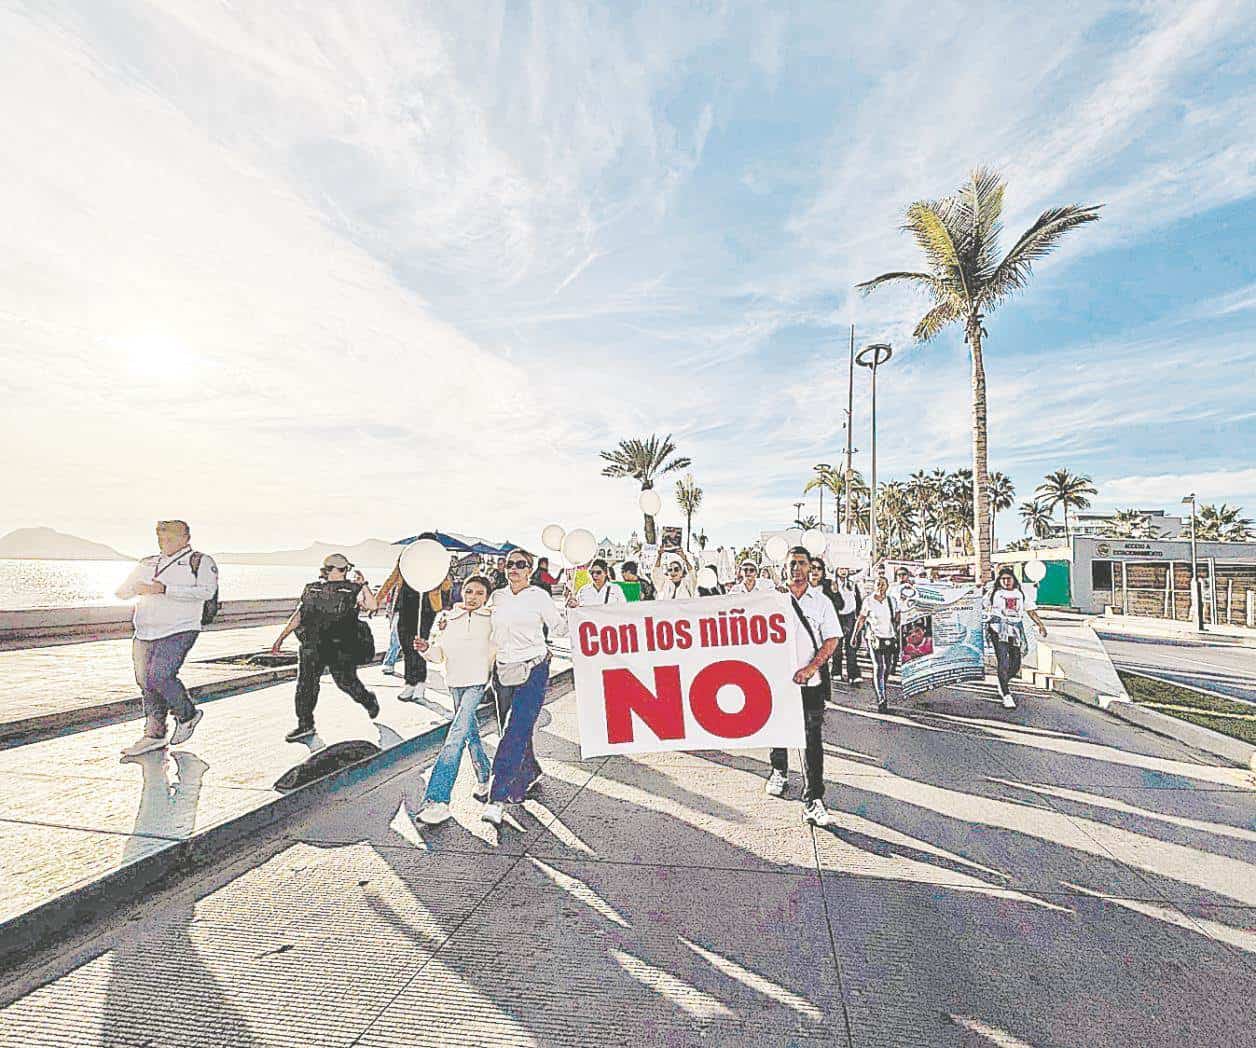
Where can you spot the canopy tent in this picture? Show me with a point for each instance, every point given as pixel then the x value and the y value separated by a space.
pixel 448 541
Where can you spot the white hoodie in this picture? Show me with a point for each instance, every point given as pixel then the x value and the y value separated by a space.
pixel 464 647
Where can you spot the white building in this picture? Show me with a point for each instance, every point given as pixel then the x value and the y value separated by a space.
pixel 1157 524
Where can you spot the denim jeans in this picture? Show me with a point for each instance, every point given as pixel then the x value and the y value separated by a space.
pixel 813 749
pixel 515 764
pixel 394 646
pixel 157 664
pixel 884 655
pixel 846 648
pixel 464 730
pixel 1007 656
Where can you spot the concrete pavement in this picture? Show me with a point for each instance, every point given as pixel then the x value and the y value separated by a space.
pixel 1045 876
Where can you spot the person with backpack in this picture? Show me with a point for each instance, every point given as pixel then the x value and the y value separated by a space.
pixel 178 595
pixel 331 634
pixel 814 643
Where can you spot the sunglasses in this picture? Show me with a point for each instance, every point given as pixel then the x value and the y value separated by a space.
pixel 748 570
pixel 596 572
pixel 676 569
pixel 518 564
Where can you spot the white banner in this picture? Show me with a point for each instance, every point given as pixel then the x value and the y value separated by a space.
pixel 849 551
pixel 714 673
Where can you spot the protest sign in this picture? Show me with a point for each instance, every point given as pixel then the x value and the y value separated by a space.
pixel 849 551
pixel 709 674
pixel 940 637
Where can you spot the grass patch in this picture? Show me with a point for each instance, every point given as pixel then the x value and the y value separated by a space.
pixel 1158 693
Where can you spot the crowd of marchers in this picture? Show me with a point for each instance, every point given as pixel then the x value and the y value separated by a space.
pixel 488 632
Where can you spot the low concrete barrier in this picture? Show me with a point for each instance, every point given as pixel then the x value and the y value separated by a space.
pixel 45 627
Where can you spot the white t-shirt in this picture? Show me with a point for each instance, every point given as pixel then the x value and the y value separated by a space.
pixel 822 617
pixel 760 586
pixel 1011 604
pixel 845 593
pixel 880 615
pixel 591 597
pixel 518 619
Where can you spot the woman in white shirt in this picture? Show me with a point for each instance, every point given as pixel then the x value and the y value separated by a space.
pixel 601 590
pixel 750 581
pixel 521 614
pixel 672 577
pixel 463 646
pixel 880 614
pixel 1009 605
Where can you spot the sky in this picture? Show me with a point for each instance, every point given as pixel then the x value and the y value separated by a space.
pixel 329 272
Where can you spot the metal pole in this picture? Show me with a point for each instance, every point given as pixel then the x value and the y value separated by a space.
pixel 798 512
pixel 872 505
pixel 850 419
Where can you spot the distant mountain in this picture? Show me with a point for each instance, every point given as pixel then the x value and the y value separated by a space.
pixel 46 544
pixel 374 553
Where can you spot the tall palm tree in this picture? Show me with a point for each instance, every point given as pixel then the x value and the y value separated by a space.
pixel 1065 489
pixel 1222 524
pixel 833 480
pixel 896 518
pixel 1002 496
pixel 966 279
pixel 1036 518
pixel 688 498
pixel 644 460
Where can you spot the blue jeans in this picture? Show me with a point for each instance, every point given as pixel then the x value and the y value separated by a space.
pixel 394 646
pixel 515 764
pixel 464 730
pixel 157 664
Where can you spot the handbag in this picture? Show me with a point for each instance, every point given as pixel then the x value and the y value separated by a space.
pixel 365 643
pixel 512 674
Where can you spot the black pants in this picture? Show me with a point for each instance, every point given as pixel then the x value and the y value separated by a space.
pixel 846 650
pixel 407 629
pixel 1007 656
pixel 317 656
pixel 813 699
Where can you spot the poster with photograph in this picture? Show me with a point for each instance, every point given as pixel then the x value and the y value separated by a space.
pixel 940 637
pixel 671 536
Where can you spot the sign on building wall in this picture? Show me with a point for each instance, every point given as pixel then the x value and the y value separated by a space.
pixel 709 674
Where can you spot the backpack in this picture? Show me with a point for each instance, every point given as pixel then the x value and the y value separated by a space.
pixel 211 607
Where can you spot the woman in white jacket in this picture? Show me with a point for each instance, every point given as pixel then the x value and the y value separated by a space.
pixel 463 647
pixel 673 577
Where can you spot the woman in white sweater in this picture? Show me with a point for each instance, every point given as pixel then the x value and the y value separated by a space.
pixel 463 647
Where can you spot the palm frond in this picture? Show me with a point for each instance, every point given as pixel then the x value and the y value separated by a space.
pixel 927 221
pixel 926 280
pixel 936 319
pixel 1035 243
pixel 978 206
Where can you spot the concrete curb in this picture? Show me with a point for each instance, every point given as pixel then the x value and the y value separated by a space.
pixel 33 931
pixel 1115 626
pixel 1236 751
pixel 83 718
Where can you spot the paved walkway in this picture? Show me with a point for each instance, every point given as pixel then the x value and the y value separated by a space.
pixel 1043 876
pixel 38 682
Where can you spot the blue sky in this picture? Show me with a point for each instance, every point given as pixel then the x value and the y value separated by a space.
pixel 322 273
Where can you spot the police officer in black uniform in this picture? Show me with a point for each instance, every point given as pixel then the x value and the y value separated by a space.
pixel 326 623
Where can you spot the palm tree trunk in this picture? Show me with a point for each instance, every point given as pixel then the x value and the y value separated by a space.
pixel 981 479
pixel 689 531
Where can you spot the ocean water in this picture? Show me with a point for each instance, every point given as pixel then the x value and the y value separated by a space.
pixel 74 583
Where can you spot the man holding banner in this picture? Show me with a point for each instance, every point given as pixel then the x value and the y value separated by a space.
pixel 815 639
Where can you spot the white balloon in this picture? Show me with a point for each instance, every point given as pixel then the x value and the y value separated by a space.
pixel 776 548
pixel 424 565
pixel 707 578
pixel 793 537
pixel 552 537
pixel 1035 571
pixel 650 502
pixel 816 542
pixel 580 546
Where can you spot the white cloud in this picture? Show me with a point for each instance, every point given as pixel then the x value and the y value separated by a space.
pixel 1235 486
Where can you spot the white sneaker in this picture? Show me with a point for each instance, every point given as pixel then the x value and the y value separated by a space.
pixel 480 793
pixel 183 729
pixel 412 693
pixel 776 784
pixel 145 744
pixel 493 813
pixel 816 813
pixel 1009 703
pixel 434 814
pixel 406 693
pixel 389 671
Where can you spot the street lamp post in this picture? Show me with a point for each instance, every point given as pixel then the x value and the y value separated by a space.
pixel 798 513
pixel 872 357
pixel 821 470
pixel 1196 596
